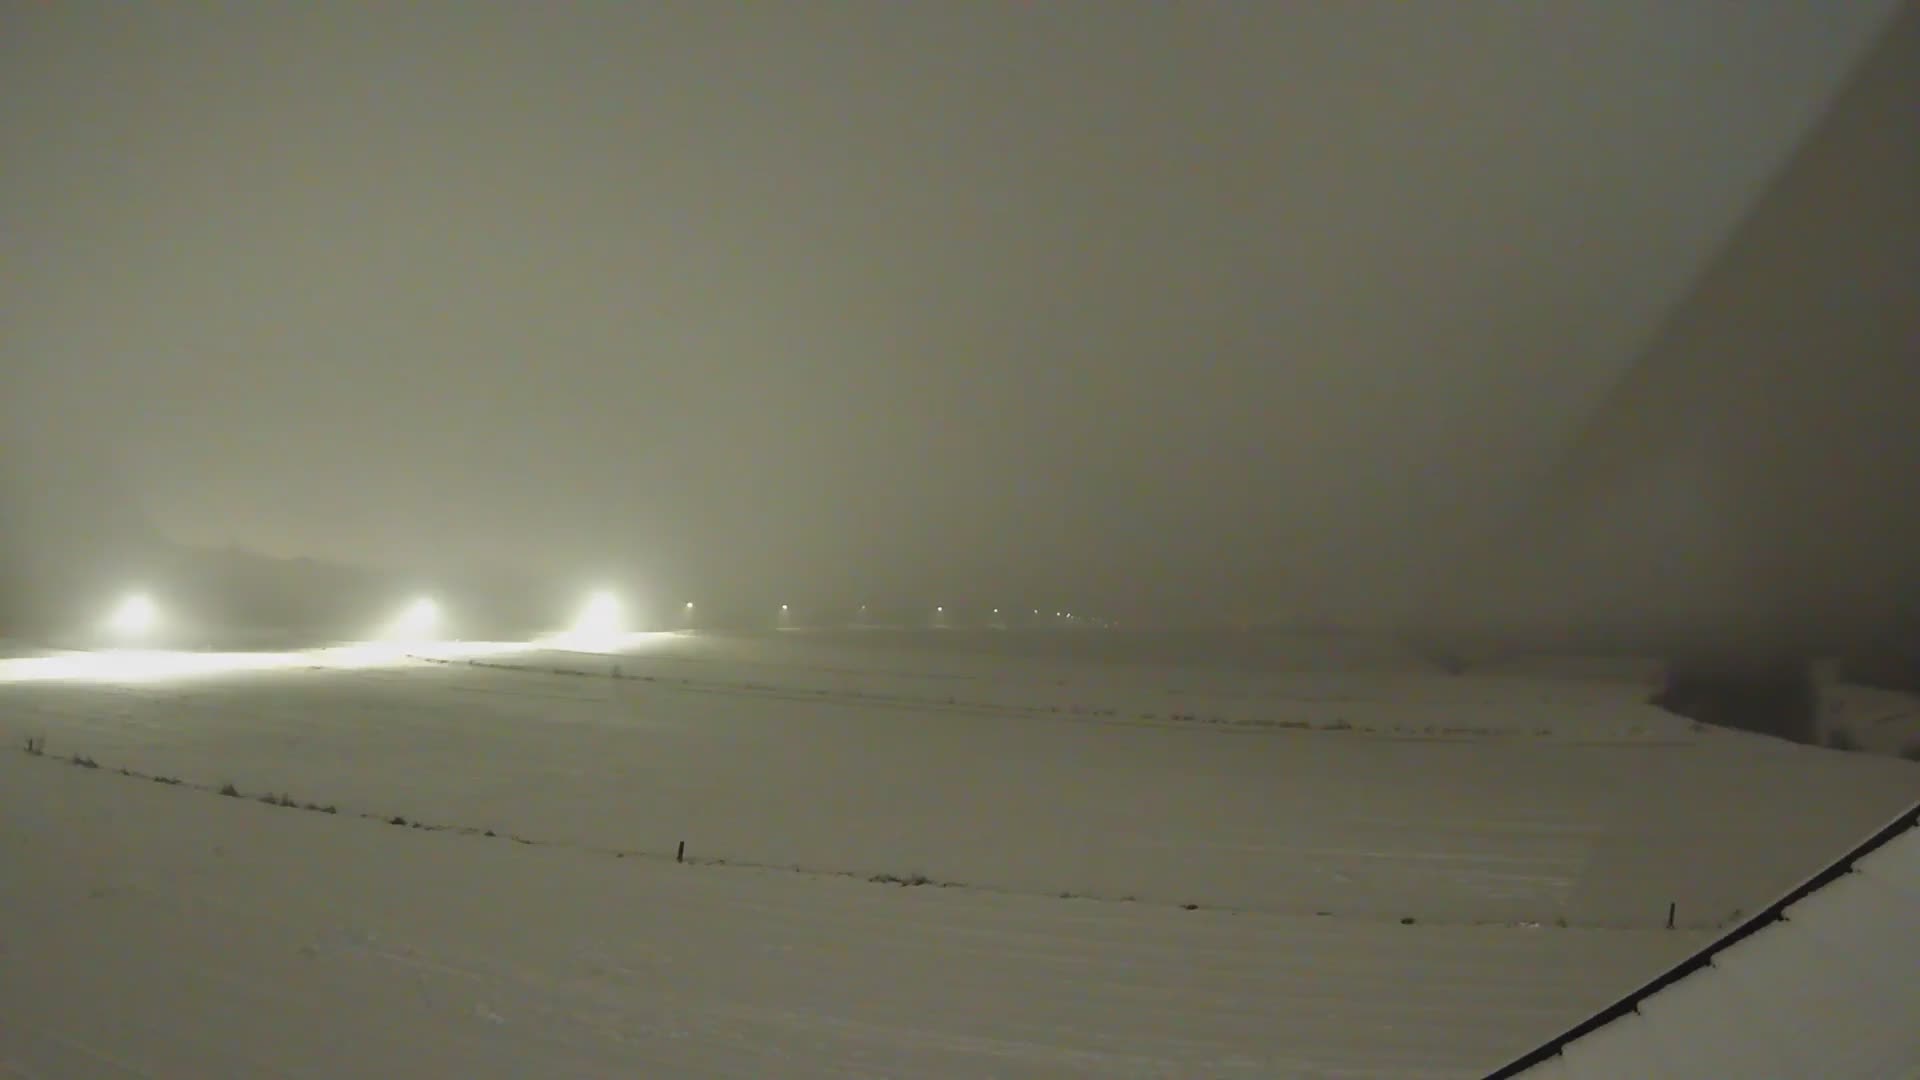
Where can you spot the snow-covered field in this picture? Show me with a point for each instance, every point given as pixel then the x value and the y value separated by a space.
pixel 1876 721
pixel 1342 865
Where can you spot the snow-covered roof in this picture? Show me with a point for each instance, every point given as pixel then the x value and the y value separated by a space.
pixel 1825 982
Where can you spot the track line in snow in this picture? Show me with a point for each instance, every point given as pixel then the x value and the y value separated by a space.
pixel 802 869
pixel 1105 715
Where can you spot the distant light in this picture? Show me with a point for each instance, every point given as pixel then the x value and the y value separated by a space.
pixel 689 605
pixel 939 609
pixel 418 621
pixel 136 616
pixel 783 607
pixel 601 617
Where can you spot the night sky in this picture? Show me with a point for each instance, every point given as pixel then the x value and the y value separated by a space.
pixel 1218 308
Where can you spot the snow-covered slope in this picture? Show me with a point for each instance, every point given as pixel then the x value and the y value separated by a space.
pixel 158 931
pixel 1123 896
pixel 1870 719
pixel 1309 682
pixel 763 766
pixel 1819 984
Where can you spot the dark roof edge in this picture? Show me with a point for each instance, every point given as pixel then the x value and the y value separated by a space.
pixel 1773 913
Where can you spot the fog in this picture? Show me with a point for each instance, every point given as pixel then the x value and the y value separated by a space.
pixel 1158 311
pixel 1752 474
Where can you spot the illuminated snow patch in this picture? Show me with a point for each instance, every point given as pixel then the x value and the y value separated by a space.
pixel 143 665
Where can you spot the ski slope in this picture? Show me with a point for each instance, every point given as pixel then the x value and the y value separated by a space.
pixel 1360 870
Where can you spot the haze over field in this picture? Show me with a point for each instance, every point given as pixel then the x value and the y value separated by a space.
pixel 1169 310
pixel 1014 537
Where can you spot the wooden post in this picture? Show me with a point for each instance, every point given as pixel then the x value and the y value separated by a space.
pixel 681 856
pixel 1670 906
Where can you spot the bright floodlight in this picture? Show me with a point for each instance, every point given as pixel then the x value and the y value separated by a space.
pixel 600 618
pixel 135 617
pixel 417 622
pixel 689 605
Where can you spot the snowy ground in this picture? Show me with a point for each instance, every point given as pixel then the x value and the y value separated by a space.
pixel 1875 721
pixel 1075 809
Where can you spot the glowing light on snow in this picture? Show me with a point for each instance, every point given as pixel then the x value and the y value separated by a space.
pixel 601 617
pixel 419 621
pixel 136 616
pixel 144 665
pixel 600 626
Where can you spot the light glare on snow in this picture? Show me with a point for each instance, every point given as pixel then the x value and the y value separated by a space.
pixel 141 665
pixel 601 617
pixel 418 622
pixel 136 616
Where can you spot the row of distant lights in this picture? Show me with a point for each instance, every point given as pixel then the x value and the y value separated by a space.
pixel 996 611
pixel 137 616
